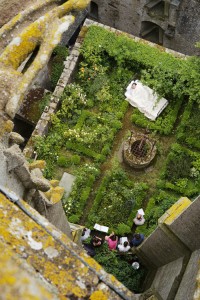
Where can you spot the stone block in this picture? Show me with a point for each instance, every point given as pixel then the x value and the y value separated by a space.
pixel 167 279
pixel 14 157
pixel 54 182
pixel 40 183
pixel 16 138
pixel 66 182
pixel 187 286
pixel 58 91
pixel 72 65
pixel 75 53
pixel 184 223
pixel 161 247
pixel 53 105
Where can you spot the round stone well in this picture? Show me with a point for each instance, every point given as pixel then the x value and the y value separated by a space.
pixel 139 150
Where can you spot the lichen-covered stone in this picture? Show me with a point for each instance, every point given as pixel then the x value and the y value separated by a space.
pixel 14 157
pixel 51 255
pixel 39 164
pixel 54 182
pixel 16 138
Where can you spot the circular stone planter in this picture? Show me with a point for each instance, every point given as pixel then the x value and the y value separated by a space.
pixel 139 151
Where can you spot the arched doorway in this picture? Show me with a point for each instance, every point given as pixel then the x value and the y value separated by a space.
pixel 152 32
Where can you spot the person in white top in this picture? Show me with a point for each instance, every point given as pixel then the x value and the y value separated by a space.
pixel 85 234
pixel 139 220
pixel 124 247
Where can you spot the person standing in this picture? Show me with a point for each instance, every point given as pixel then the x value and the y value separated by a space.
pixel 112 240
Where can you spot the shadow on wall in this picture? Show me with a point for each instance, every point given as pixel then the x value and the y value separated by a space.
pixel 152 32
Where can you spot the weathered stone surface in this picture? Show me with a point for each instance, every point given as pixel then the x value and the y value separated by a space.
pixel 186 226
pixel 161 247
pixel 66 182
pixel 40 183
pixel 25 176
pixel 14 157
pixel 188 285
pixel 69 274
pixel 37 164
pixel 172 271
pixel 54 182
pixel 16 138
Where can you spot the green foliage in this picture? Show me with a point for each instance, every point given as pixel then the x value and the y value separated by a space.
pixel 91 113
pixel 75 203
pixel 59 54
pixel 123 229
pixel 156 207
pixel 179 174
pixel 164 123
pixel 115 199
pixel 62 161
pixel 121 268
pixel 189 128
pixel 75 159
pixel 44 102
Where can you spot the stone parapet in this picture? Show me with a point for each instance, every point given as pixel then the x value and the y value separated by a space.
pixel 183 221
pixel 176 235
pixel 161 248
pixel 36 256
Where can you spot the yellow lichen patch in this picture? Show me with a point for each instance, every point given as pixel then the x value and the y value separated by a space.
pixel 98 295
pixel 175 210
pixel 40 164
pixel 78 292
pixel 92 263
pixel 6 127
pixel 70 5
pixel 58 261
pixel 7 27
pixel 17 51
pixel 64 279
pixel 55 194
pixel 16 282
pixel 54 182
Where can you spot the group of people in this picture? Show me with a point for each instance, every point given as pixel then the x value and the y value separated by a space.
pixel 112 240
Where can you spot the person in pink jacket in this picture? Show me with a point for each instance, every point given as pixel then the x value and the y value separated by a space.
pixel 112 240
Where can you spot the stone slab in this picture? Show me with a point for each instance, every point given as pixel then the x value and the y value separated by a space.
pixel 161 247
pixel 188 284
pixel 167 279
pixel 66 182
pixel 186 226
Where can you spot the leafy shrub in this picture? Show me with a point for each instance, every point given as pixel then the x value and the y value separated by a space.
pixel 62 161
pixel 59 54
pixel 74 218
pixel 122 229
pixel 121 268
pixel 115 199
pixel 189 128
pixel 75 159
pixel 156 207
pixel 75 203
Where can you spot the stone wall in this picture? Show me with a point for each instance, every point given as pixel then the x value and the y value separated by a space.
pixel 177 23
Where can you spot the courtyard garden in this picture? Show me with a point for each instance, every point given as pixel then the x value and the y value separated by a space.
pixel 94 120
